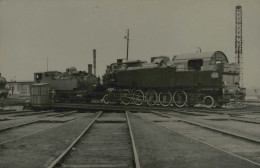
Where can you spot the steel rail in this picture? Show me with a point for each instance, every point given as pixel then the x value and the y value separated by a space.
pixel 31 122
pixel 216 130
pixel 171 129
pixel 137 163
pixel 244 120
pixel 229 118
pixel 56 161
pixel 14 112
pixel 20 114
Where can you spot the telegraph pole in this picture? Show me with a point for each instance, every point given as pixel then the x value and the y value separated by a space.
pixel 47 64
pixel 127 39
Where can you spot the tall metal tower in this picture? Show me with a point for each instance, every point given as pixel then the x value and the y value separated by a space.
pixel 239 42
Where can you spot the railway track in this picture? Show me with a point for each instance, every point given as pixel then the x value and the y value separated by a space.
pixel 105 142
pixel 3 139
pixel 131 107
pixel 212 128
pixel 228 116
pixel 13 111
pixel 34 121
pixel 216 138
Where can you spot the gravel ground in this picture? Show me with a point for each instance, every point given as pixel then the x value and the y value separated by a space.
pixel 13 101
pixel 20 119
pixel 24 119
pixel 254 116
pixel 160 147
pixel 234 145
pixel 250 130
pixel 39 150
pixel 23 131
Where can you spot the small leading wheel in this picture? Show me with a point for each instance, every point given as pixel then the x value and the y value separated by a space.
pixel 106 99
pixel 138 97
pixel 151 97
pixel 180 98
pixel 208 101
pixel 165 98
pixel 125 96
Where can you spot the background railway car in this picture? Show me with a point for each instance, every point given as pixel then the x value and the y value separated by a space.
pixel 40 94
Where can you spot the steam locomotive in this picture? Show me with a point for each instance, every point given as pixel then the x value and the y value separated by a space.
pixel 184 80
pixel 187 79
pixel 3 90
pixel 72 85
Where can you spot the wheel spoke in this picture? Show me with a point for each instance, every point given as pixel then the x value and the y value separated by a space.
pixel 106 99
pixel 125 96
pixel 138 97
pixel 151 97
pixel 180 98
pixel 165 98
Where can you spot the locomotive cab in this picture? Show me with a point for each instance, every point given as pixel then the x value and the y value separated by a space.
pixel 211 74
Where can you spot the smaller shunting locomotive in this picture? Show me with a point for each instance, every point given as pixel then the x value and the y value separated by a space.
pixel 199 78
pixel 71 86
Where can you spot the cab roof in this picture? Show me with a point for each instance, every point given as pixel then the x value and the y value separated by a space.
pixel 215 55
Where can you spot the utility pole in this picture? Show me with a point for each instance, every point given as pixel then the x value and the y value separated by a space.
pixel 94 61
pixel 239 42
pixel 47 64
pixel 127 39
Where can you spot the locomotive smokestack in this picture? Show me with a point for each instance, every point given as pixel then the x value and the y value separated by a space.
pixel 90 69
pixel 94 61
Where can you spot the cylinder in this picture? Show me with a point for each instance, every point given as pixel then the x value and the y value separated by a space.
pixel 90 69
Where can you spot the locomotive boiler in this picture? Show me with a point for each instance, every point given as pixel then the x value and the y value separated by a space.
pixel 199 78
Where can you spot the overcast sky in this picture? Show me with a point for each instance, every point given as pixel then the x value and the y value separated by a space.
pixel 66 31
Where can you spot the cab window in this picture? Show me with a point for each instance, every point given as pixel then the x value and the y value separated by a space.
pixel 195 64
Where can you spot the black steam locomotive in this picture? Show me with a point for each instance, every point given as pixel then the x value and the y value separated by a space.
pixel 184 80
pixel 189 79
